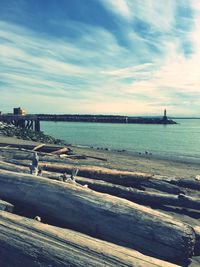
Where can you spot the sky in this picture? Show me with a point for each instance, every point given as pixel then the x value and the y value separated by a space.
pixel 130 57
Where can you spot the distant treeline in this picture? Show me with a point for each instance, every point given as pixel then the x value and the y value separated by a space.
pixel 104 118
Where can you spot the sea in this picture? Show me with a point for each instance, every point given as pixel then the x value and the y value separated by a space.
pixel 177 140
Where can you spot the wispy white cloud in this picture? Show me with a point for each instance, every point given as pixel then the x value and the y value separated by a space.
pixel 119 7
pixel 151 12
pixel 142 67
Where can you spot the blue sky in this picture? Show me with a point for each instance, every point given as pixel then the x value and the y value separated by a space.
pixel 133 57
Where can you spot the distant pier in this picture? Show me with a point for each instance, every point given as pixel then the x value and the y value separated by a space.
pixel 23 121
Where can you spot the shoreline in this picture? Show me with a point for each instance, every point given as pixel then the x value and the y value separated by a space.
pixel 155 163
pixel 124 160
pixel 145 154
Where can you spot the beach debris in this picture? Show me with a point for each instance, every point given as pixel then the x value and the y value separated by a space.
pixel 35 160
pixel 37 218
pixel 126 178
pixel 6 206
pixel 67 178
pixel 34 170
pixel 38 147
pixel 123 184
pixel 40 172
pixel 45 245
pixel 197 177
pixel 135 225
pixel 74 174
pixel 41 148
pixel 61 151
pixel 34 165
pixel 64 177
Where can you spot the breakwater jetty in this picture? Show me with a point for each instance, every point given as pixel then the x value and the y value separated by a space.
pixel 32 121
pixel 105 118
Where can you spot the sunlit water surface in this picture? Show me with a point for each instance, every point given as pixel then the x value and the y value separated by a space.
pixel 182 139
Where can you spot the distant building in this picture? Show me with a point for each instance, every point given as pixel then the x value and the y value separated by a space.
pixel 19 111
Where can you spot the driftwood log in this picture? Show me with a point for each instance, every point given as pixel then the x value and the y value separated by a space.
pixel 197 244
pixel 141 197
pixel 188 183
pixel 25 242
pixel 6 206
pixel 43 147
pixel 60 156
pixel 100 215
pixel 23 155
pixel 125 178
pixel 13 167
pixel 138 196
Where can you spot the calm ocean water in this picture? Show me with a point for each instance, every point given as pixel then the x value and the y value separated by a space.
pixel 182 139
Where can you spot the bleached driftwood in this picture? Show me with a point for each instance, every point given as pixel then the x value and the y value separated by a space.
pixel 138 196
pixel 6 206
pixel 125 178
pixel 37 147
pixel 25 242
pixel 103 216
pixel 141 197
pixel 44 147
pixel 13 167
pixel 188 183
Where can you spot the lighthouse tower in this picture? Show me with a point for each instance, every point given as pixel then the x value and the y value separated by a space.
pixel 165 115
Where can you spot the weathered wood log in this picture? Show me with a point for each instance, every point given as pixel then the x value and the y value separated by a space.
pixel 98 158
pixel 100 215
pixel 23 155
pixel 181 182
pixel 161 186
pixel 6 206
pixel 177 182
pixel 125 178
pixel 188 183
pixel 25 163
pixel 46 148
pixel 37 147
pixel 59 151
pixel 13 167
pixel 25 242
pixel 24 159
pixel 62 153
pixel 138 196
pixel 197 244
pixel 189 202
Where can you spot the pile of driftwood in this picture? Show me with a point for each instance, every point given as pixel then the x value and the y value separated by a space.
pixel 89 202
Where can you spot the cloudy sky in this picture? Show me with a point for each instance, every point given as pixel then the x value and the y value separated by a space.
pixel 133 57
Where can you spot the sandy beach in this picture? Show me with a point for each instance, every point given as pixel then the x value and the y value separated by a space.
pixel 135 162
pixel 124 160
